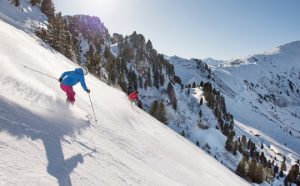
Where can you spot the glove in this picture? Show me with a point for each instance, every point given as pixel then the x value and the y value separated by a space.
pixel 88 91
pixel 60 79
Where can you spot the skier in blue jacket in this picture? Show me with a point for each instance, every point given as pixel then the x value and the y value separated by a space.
pixel 69 79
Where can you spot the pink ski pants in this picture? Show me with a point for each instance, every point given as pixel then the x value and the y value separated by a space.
pixel 69 91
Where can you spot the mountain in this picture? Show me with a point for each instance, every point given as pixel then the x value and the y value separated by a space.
pixel 266 87
pixel 45 142
pixel 262 93
pixel 203 100
pixel 213 62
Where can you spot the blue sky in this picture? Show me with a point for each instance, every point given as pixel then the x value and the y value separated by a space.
pixel 221 29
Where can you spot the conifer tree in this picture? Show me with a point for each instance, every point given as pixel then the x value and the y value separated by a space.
pixel 132 80
pixel 17 2
pixel 263 159
pixel 194 85
pixel 252 169
pixel 153 109
pixel 107 53
pixel 127 51
pixel 149 46
pixel 183 133
pixel 249 144
pixel 241 168
pixel 121 82
pixel 93 62
pixel 145 85
pixel 59 38
pixel 172 96
pixel 149 81
pixel 259 174
pixel 161 113
pixel 188 91
pixel 244 141
pixel 235 148
pixel 201 84
pixel 200 114
pixel 140 80
pixel 162 79
pixel 201 101
pixel 229 143
pixel 156 79
pixel 275 169
pixel 281 174
pixel 268 174
pixel 48 8
pixel 117 38
pixel 293 175
pixel 283 165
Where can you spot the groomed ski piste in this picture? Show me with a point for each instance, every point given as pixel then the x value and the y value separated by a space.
pixel 44 141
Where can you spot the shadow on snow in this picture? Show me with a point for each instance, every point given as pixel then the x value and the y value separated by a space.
pixel 21 122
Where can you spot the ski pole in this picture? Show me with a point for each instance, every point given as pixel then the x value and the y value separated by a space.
pixel 92 108
pixel 39 72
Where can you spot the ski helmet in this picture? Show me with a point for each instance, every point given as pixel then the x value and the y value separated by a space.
pixel 85 70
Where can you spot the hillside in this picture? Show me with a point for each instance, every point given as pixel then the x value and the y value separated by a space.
pixel 267 88
pixel 45 142
pixel 262 93
pixel 243 108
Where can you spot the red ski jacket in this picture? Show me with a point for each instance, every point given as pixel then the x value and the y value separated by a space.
pixel 133 96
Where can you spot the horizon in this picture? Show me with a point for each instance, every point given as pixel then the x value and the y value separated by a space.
pixel 198 29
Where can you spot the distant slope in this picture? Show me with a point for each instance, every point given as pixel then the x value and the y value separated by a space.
pixel 44 142
pixel 267 88
pixel 263 94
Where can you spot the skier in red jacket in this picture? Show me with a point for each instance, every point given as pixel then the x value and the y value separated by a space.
pixel 133 97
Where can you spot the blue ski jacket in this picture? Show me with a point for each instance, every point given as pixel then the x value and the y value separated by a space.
pixel 71 78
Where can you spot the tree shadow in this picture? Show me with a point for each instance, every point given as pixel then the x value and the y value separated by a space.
pixel 48 127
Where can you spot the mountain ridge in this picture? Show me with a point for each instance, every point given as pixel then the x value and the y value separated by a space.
pixel 176 86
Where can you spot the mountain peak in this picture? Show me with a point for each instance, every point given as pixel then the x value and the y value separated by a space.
pixel 285 48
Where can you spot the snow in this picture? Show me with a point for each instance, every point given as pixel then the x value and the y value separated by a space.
pixel 84 47
pixel 185 69
pixel 44 141
pixel 24 16
pixel 274 123
pixel 186 118
pixel 213 62
pixel 269 73
pixel 115 49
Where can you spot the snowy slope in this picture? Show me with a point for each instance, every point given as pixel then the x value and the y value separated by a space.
pixel 46 142
pixel 201 130
pixel 25 16
pixel 185 69
pixel 263 94
pixel 213 62
pixel 267 97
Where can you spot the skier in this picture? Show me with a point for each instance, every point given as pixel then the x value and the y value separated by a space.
pixel 69 79
pixel 133 97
